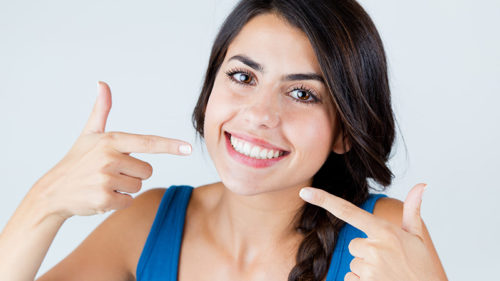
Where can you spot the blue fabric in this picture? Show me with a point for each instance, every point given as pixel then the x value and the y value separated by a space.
pixel 341 257
pixel 160 255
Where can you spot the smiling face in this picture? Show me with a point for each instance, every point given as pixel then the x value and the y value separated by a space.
pixel 269 121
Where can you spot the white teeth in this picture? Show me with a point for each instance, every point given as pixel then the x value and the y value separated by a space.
pixel 253 151
pixel 246 148
pixel 263 154
pixel 270 154
pixel 239 145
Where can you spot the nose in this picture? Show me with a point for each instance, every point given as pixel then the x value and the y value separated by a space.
pixel 262 111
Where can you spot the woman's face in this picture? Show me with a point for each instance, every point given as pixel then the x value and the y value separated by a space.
pixel 269 122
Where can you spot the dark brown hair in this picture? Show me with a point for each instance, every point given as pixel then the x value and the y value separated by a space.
pixel 353 63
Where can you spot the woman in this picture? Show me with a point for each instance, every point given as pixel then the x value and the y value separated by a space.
pixel 295 95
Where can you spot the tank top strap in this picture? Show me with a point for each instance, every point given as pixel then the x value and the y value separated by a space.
pixel 341 257
pixel 160 256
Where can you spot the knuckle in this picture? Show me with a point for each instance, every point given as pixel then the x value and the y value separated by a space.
pixel 344 210
pixel 390 232
pixel 393 237
pixel 349 277
pixel 372 251
pixel 384 227
pixel 352 264
pixel 108 162
pixel 103 202
pixel 147 142
pixel 319 198
pixel 104 180
pixel 369 273
pixel 352 245
pixel 107 138
pixel 149 170
pixel 138 185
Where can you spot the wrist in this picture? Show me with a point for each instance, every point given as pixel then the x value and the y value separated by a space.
pixel 42 207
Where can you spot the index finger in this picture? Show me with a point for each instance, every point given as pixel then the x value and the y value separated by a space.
pixel 130 143
pixel 343 209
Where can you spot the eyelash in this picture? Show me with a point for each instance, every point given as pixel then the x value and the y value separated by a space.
pixel 312 94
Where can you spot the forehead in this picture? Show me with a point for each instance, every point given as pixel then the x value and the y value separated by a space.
pixel 274 43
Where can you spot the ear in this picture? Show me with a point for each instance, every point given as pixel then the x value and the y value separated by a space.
pixel 341 144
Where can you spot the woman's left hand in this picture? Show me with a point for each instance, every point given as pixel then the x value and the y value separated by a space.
pixel 390 252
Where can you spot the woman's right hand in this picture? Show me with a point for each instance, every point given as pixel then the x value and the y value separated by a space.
pixel 98 167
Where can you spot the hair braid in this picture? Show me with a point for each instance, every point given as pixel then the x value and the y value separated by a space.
pixel 320 227
pixel 352 59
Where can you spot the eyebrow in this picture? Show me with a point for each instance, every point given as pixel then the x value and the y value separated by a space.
pixel 290 77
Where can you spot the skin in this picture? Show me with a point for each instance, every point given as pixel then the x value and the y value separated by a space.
pixel 241 225
pixel 391 251
pixel 236 228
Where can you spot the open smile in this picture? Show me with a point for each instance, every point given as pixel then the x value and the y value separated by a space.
pixel 252 152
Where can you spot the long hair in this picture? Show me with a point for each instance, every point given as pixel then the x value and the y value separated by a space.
pixel 353 63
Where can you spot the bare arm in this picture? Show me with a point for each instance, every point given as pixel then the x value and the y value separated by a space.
pixel 112 250
pixel 97 175
pixel 26 238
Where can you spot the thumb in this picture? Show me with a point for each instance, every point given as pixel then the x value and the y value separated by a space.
pixel 412 221
pixel 97 120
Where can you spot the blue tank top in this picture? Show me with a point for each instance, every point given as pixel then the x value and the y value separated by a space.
pixel 159 259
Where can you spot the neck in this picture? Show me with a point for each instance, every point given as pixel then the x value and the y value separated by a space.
pixel 249 226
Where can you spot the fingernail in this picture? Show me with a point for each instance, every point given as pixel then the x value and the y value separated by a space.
pixel 423 191
pixel 306 194
pixel 98 88
pixel 185 149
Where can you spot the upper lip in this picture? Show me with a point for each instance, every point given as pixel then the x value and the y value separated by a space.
pixel 256 141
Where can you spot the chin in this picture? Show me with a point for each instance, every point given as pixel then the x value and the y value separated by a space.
pixel 248 188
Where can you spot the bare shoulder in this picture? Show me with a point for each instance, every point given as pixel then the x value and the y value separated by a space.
pixel 137 220
pixel 390 209
pixel 112 250
pixel 205 196
pixel 130 227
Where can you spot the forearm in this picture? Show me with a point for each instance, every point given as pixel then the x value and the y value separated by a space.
pixel 26 238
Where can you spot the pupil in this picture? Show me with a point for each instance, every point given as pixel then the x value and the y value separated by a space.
pixel 302 95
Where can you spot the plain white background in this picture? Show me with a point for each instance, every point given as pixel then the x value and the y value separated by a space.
pixel 444 65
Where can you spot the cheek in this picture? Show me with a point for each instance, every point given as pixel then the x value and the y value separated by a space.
pixel 219 108
pixel 312 135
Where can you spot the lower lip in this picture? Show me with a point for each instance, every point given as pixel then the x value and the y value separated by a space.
pixel 249 161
